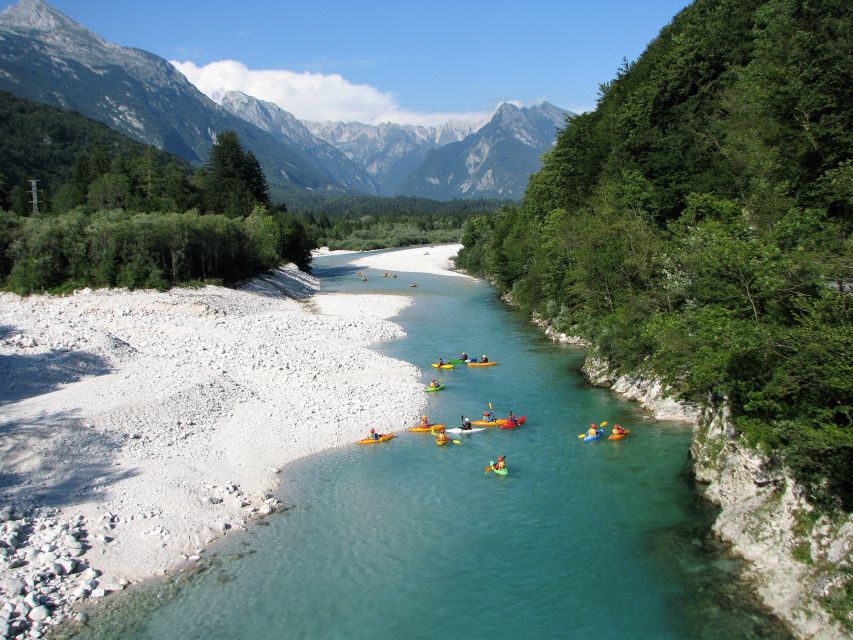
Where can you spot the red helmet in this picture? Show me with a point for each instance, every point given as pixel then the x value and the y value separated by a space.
pixel 501 458
pixel 372 430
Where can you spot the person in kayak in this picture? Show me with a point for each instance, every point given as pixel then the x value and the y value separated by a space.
pixel 424 421
pixel 441 438
pixel 466 424
pixel 593 430
pixel 373 435
pixel 488 415
pixel 464 357
pixel 433 384
pixel 500 464
pixel 511 419
pixel 485 358
pixel 618 430
pixel 441 362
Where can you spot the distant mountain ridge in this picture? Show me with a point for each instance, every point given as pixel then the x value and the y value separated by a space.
pixel 287 128
pixel 389 152
pixel 493 162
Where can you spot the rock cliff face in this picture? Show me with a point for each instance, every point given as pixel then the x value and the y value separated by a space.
pixel 801 563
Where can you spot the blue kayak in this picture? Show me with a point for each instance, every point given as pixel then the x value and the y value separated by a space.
pixel 597 435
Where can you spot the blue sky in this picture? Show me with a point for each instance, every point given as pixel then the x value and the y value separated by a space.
pixel 408 59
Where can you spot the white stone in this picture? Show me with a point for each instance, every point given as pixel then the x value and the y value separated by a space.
pixel 39 613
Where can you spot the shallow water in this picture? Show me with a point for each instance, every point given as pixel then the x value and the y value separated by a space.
pixel 406 539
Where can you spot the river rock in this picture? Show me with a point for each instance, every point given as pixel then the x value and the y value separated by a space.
pixel 39 613
pixel 12 586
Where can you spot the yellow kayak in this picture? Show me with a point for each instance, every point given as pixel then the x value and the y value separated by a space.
pixel 482 364
pixel 435 365
pixel 437 428
pixel 487 423
pixel 382 438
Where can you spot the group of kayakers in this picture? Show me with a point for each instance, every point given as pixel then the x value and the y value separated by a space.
pixel 594 430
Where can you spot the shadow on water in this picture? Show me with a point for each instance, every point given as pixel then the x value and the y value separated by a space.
pixel 27 375
pixel 716 601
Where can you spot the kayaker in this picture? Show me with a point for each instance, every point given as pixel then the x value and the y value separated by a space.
pixel 373 435
pixel 488 415
pixel 433 384
pixel 618 430
pixel 464 357
pixel 466 424
pixel 500 464
pixel 593 430
pixel 441 362
pixel 485 358
pixel 441 438
pixel 424 421
pixel 511 419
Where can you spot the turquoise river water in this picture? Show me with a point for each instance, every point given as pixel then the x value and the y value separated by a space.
pixel 605 540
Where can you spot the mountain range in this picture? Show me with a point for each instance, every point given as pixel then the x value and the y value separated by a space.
pixel 47 57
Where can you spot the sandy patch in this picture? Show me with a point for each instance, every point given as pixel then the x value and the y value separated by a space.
pixel 432 259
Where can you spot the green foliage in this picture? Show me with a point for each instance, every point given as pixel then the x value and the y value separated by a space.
pixel 155 250
pixel 697 225
pixel 364 232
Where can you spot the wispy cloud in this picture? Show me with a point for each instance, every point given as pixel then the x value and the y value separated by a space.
pixel 312 96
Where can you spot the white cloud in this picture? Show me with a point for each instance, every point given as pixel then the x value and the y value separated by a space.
pixel 311 96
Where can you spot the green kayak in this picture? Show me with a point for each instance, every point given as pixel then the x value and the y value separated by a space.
pixel 456 361
pixel 438 388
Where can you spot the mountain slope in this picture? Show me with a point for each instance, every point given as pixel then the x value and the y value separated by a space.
pixel 388 152
pixel 493 162
pixel 47 57
pixel 289 130
pixel 43 143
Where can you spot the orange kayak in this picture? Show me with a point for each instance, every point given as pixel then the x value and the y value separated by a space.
pixel 436 428
pixel 614 436
pixel 486 423
pixel 482 364
pixel 382 438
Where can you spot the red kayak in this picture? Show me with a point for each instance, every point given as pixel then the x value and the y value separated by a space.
pixel 519 421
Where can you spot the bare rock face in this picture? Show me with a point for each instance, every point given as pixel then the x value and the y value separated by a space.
pixel 798 559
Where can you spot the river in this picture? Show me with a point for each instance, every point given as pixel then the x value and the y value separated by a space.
pixel 409 540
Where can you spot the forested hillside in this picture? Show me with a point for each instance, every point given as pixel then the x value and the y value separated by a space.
pixel 696 225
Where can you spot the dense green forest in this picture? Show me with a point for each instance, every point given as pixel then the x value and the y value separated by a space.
pixel 116 213
pixel 696 226
pixel 365 232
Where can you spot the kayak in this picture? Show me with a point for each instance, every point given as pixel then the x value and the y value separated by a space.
pixel 499 472
pixel 597 435
pixel 519 421
pixel 382 438
pixel 431 389
pixel 482 364
pixel 456 361
pixel 435 365
pixel 485 423
pixel 459 431
pixel 438 428
pixel 614 436
pixel 501 422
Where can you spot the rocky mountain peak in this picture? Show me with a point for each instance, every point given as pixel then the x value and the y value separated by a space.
pixel 36 15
